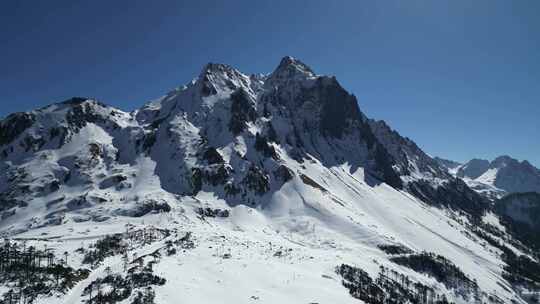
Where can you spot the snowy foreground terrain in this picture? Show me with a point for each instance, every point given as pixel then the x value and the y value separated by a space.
pixel 242 189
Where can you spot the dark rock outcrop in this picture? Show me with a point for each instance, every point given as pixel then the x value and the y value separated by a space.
pixel 212 156
pixel 454 194
pixel 256 180
pixel 14 125
pixel 242 111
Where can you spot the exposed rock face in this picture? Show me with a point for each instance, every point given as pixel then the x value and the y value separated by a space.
pixel 514 176
pixel 283 174
pixel 289 71
pixel 212 156
pixel 242 111
pixel 339 108
pixel 209 212
pixel 145 207
pixel 521 213
pixel 474 168
pixel 454 194
pixel 409 158
pixel 113 181
pixel 521 207
pixel 262 145
pixel 14 125
pixel 447 163
pixel 322 114
pixel 80 114
pixel 256 180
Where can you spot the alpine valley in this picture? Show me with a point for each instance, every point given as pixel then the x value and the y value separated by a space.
pixel 243 188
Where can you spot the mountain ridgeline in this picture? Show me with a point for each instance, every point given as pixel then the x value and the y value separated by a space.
pixel 504 172
pixel 296 114
pixel 247 162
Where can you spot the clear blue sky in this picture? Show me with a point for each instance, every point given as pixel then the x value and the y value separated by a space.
pixel 461 77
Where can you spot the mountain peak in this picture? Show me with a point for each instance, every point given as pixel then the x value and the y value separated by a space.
pixel 217 76
pixel 74 100
pixel 289 62
pixel 503 161
pixel 211 67
pixel 290 67
pixel 473 168
pixel 504 174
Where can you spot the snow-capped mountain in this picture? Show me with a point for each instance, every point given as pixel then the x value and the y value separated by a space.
pixel 277 183
pixel 473 168
pixel 502 176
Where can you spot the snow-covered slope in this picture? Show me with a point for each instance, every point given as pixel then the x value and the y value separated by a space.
pixel 240 188
pixel 424 176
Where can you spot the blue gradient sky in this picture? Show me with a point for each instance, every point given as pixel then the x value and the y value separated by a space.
pixel 461 78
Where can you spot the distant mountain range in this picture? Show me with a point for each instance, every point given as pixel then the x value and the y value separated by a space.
pixel 504 175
